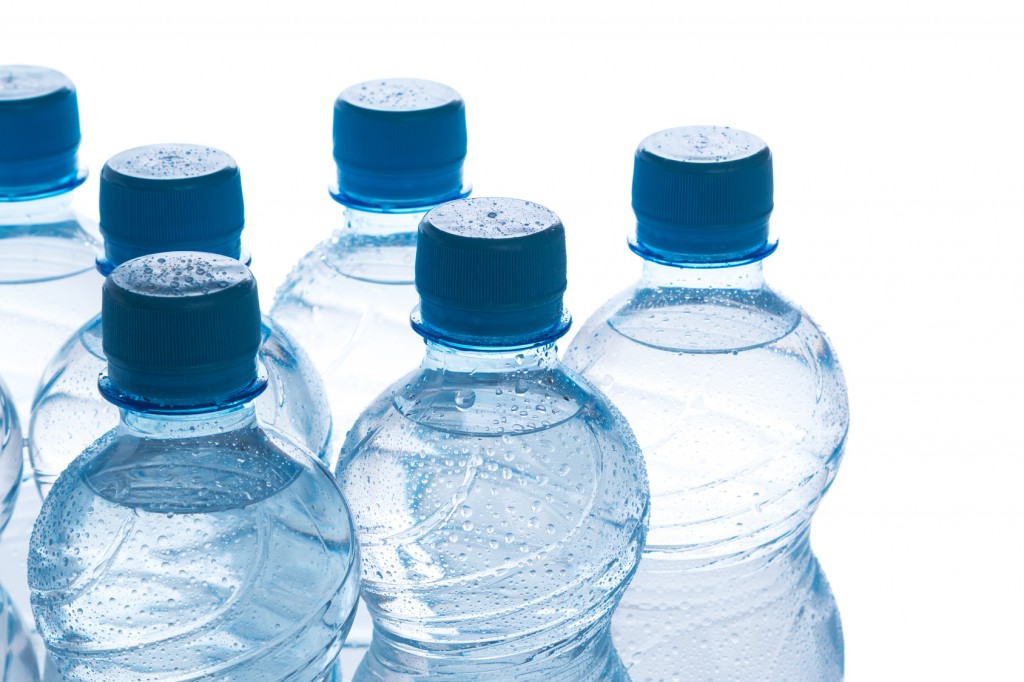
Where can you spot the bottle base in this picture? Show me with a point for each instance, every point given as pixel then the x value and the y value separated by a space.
pixel 592 659
pixel 774 622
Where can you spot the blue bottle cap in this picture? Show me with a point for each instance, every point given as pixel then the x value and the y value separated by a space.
pixel 171 197
pixel 491 272
pixel 702 194
pixel 39 133
pixel 399 142
pixel 180 328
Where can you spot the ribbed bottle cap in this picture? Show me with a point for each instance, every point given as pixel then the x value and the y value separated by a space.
pixel 181 328
pixel 171 197
pixel 39 133
pixel 491 271
pixel 399 142
pixel 702 194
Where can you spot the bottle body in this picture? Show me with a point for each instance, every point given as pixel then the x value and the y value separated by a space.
pixel 17 658
pixel 48 286
pixel 347 303
pixel 501 507
pixel 740 408
pixel 69 412
pixel 213 549
pixel 11 457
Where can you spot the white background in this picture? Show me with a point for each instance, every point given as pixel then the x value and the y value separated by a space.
pixel 896 130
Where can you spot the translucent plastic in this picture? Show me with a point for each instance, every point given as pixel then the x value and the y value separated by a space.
pixel 501 508
pixel 17 659
pixel 11 457
pixel 740 407
pixel 69 413
pixel 49 287
pixel 194 547
pixel 347 303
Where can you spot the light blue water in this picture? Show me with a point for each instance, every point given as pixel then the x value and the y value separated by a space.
pixel 740 407
pixel 192 548
pixel 17 660
pixel 501 508
pixel 70 413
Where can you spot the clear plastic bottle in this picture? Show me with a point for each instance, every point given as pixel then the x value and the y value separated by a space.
pixel 740 407
pixel 399 146
pixel 500 502
pixel 48 282
pixel 11 458
pixel 162 198
pixel 17 659
pixel 191 541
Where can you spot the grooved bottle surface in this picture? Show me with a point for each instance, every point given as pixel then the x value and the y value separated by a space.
pixel 190 548
pixel 501 508
pixel 740 407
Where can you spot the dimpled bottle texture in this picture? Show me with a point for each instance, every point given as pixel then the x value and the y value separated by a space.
pixel 740 407
pixel 162 198
pixel 500 502
pixel 48 282
pixel 190 542
pixel 399 146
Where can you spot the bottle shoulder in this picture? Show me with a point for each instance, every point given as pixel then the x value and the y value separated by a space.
pixel 192 475
pixel 495 404
pixel 347 260
pixel 278 344
pixel 684 321
pixel 551 419
pixel 60 247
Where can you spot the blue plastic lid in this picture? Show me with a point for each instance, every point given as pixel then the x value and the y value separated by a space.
pixel 399 142
pixel 491 272
pixel 181 328
pixel 702 194
pixel 171 197
pixel 39 133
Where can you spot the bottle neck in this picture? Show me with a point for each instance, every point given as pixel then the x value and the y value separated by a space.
pixel 44 210
pixel 381 224
pixel 444 358
pixel 375 247
pixel 748 276
pixel 188 425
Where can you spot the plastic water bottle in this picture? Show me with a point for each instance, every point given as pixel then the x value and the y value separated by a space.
pixel 399 145
pixel 152 199
pixel 17 659
pixel 10 457
pixel 740 407
pixel 190 542
pixel 48 283
pixel 500 502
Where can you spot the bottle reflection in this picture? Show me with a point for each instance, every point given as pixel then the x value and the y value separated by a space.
pixel 17 659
